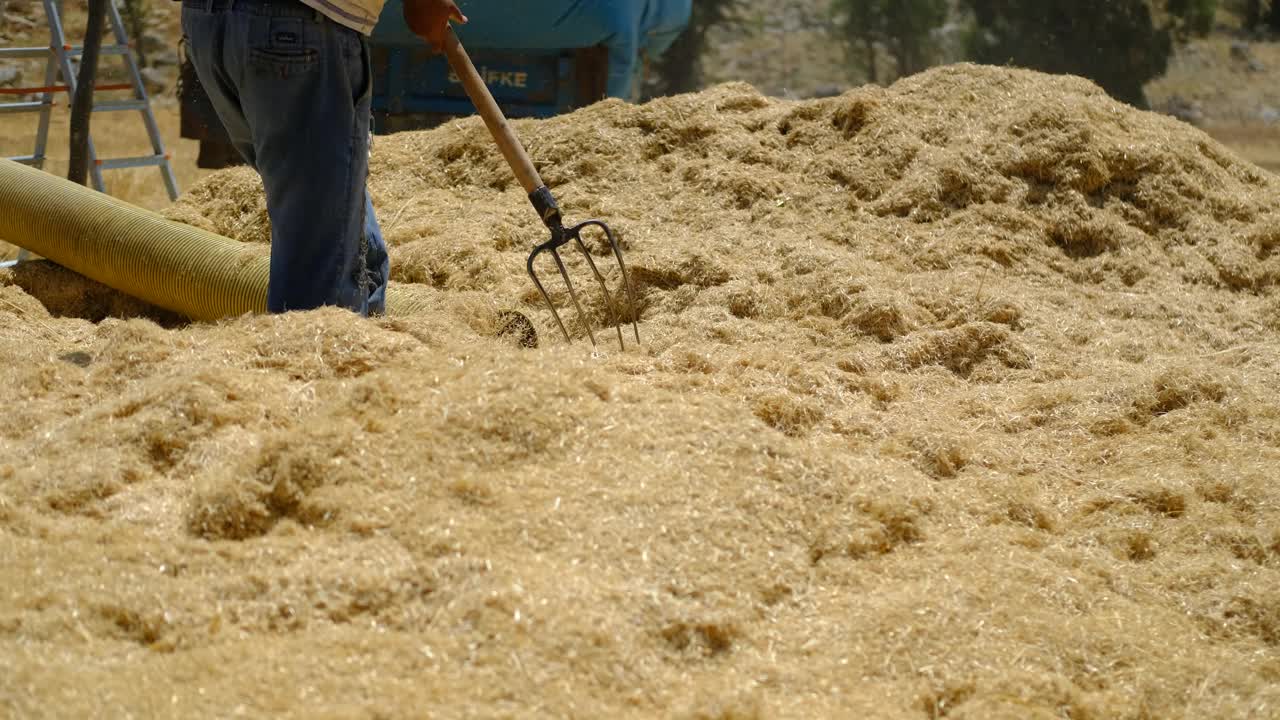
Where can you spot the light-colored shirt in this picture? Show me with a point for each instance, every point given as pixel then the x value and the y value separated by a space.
pixel 359 15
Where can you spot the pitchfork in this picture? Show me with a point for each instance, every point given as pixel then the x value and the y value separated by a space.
pixel 543 202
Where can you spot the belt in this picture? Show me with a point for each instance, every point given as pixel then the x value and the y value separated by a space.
pixel 225 5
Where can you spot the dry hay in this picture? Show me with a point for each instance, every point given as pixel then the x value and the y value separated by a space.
pixel 957 400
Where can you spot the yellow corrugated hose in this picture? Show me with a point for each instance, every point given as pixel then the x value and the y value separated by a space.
pixel 174 266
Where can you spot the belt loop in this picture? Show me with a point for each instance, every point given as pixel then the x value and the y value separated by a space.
pixel 208 6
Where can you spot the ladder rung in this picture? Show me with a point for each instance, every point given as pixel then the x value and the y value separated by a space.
pixel 118 105
pixel 27 160
pixel 133 162
pixel 61 88
pixel 18 107
pixel 74 50
pixel 24 52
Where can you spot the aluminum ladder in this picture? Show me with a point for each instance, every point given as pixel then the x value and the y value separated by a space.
pixel 62 58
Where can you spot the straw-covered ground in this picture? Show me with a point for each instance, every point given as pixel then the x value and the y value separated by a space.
pixel 956 399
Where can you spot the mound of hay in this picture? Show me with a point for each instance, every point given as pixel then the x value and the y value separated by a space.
pixel 957 399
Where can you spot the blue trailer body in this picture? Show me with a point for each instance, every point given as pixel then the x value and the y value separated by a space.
pixel 409 82
pixel 540 57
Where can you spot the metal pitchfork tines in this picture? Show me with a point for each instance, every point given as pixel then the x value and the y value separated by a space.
pixel 544 203
pixel 561 236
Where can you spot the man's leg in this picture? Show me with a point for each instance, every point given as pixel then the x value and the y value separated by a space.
pixel 377 264
pixel 302 83
pixel 305 91
pixel 204 32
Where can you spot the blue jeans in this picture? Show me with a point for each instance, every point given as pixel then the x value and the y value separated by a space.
pixel 293 89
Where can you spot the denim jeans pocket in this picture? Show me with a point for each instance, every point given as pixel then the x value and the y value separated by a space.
pixel 285 49
pixel 282 63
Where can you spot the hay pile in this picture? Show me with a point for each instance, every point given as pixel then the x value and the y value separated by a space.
pixel 957 400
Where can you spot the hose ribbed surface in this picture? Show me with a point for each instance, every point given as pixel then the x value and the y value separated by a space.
pixel 175 266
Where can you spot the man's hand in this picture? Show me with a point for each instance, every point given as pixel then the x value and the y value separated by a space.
pixel 429 19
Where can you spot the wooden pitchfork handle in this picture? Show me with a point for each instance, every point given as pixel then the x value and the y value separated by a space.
pixel 502 133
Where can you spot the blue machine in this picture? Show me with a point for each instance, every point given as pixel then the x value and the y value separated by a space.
pixel 539 57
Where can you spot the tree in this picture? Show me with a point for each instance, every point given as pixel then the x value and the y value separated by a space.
pixel 136 14
pixel 903 28
pixel 82 103
pixel 1116 43
pixel 680 68
pixel 909 28
pixel 863 32
pixel 1273 16
pixel 1252 14
pixel 1192 17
